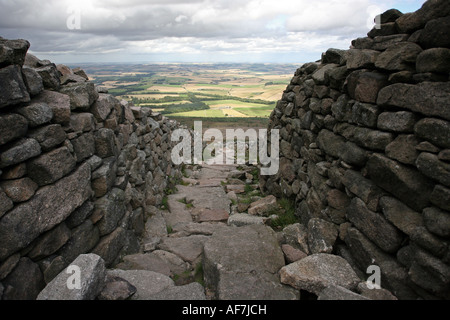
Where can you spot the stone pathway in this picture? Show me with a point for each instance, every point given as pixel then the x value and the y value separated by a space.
pixel 201 238
pixel 213 241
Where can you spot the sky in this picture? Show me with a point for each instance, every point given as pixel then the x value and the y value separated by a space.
pixel 201 31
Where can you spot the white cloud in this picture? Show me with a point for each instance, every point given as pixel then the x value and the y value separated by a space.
pixel 189 26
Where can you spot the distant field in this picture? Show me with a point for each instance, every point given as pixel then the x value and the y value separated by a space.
pixel 216 91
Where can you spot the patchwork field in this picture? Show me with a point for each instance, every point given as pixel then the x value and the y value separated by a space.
pixel 222 92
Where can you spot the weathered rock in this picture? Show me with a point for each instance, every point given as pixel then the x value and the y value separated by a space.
pixel 193 291
pixel 363 188
pixel 147 283
pixel 111 208
pixel 319 271
pixel 104 177
pixel 50 76
pixel 188 248
pixel 92 273
pixel 103 106
pixel 54 203
pixel 6 203
pixel 428 98
pixel 59 103
pixel 175 263
pixel 20 151
pixel 375 293
pixel 296 235
pixel 403 182
pixel 365 58
pixel 111 246
pixel 13 51
pixel 403 149
pixel 51 166
pixel 105 144
pixel 434 60
pixel 264 206
pixel 33 81
pixel 84 146
pixel 417 20
pixel 49 136
pixel 436 131
pixel 400 215
pixel 321 235
pixel 363 85
pixel 19 190
pixel 50 242
pixel 244 219
pixel 116 289
pixel 208 215
pixel 401 121
pixel 147 261
pixel 437 221
pixel 12 126
pixel 336 293
pixel 248 257
pixel 374 226
pixel 13 87
pixel 82 95
pixel 433 35
pixel 400 57
pixel 24 282
pixel 432 167
pixel 292 254
pixel 440 197
pixel 319 75
pixel 365 114
pixel 372 139
pixel 82 122
pixel 83 239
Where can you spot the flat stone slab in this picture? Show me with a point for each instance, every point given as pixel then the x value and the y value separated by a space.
pixel 208 215
pixel 193 228
pixel 147 283
pixel 209 198
pixel 243 219
pixel 339 293
pixel 243 263
pixel 187 248
pixel 319 271
pixel 146 261
pixel 192 291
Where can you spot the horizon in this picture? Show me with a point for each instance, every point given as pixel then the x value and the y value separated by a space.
pixel 190 31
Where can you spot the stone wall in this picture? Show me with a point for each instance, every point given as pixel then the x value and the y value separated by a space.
pixel 80 171
pixel 365 151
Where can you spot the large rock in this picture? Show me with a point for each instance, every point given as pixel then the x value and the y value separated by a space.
pixel 401 121
pixel 402 56
pixel 84 146
pixel 430 165
pixel 54 204
pixel 147 261
pixel 403 182
pixel 364 85
pixel 432 9
pixel 361 58
pixel 51 166
pixel 437 221
pixel 400 215
pixel 59 103
pixel 105 143
pixel 49 136
pixel 434 35
pixel 19 190
pixel 82 95
pixel 103 106
pixel 436 131
pixel 111 208
pixel 319 271
pixel 335 293
pixel 50 76
pixel 147 283
pixel 428 98
pixel 374 226
pixel 12 126
pixel 19 151
pixel 434 60
pixel 188 248
pixel 24 282
pixel 193 291
pixel 321 235
pixel 263 206
pixel 92 274
pixel 32 80
pixel 14 90
pixel 13 52
pixel 243 263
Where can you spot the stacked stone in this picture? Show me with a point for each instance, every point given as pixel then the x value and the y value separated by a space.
pixel 79 170
pixel 364 151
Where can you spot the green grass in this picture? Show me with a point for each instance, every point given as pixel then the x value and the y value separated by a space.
pixel 249 104
pixel 286 216
pixel 262 111
pixel 211 113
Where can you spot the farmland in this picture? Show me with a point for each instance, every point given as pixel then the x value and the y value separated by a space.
pixel 221 93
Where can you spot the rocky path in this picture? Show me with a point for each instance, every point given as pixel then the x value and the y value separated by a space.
pixel 200 247
pixel 214 239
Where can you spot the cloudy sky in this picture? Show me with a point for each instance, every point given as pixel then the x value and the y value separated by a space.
pixel 285 31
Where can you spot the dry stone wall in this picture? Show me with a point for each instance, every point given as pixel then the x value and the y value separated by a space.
pixel 365 151
pixel 80 171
